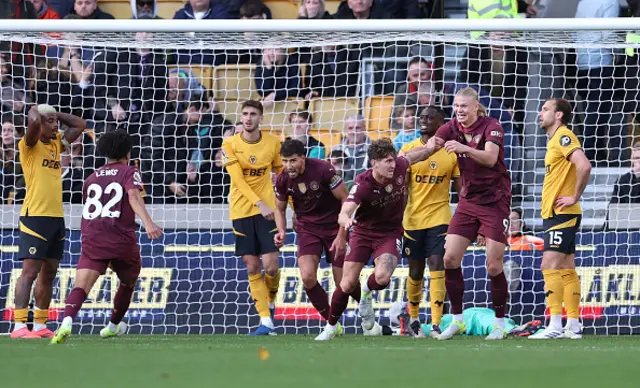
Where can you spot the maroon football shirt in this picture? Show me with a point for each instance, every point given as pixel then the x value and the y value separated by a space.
pixel 480 184
pixel 108 221
pixel 314 204
pixel 381 206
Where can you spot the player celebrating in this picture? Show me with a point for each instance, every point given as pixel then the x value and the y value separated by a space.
pixel 377 200
pixel 111 197
pixel 317 194
pixel 426 219
pixel 567 175
pixel 42 229
pixel 249 158
pixel 484 205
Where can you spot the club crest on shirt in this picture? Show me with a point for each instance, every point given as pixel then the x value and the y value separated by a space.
pixel 433 165
pixel 400 180
pixel 314 185
pixel 253 159
pixel 137 179
pixel 389 188
pixel 302 187
pixel 476 139
pixel 565 141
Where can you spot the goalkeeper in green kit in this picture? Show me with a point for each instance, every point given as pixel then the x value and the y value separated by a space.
pixel 479 322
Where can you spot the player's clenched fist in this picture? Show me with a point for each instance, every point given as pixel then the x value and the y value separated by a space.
pixel 278 239
pixel 453 146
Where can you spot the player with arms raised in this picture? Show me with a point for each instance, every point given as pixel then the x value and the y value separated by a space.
pixel 249 158
pixel 484 207
pixel 42 229
pixel 567 175
pixel 317 193
pixel 426 219
pixel 377 199
pixel 112 198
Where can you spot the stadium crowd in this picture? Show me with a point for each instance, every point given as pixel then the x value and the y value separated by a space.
pixel 178 123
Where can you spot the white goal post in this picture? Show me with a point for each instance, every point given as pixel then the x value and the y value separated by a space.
pixel 176 86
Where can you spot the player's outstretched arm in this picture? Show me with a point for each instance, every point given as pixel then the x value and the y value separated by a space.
pixel 75 126
pixel 345 219
pixel 583 172
pixel 33 127
pixel 137 204
pixel 422 153
pixel 281 222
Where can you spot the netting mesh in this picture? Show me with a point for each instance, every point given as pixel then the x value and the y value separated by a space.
pixel 178 96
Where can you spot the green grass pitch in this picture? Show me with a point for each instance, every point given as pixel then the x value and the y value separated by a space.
pixel 180 361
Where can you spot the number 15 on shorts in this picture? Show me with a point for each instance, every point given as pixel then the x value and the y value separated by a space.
pixel 555 237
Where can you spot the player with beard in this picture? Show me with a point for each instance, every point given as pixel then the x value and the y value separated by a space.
pixel 249 157
pixel 426 219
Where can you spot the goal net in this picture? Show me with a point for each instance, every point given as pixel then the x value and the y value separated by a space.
pixel 178 94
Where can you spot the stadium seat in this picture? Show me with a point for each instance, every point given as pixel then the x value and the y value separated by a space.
pixel 277 117
pixel 234 82
pixel 282 9
pixel 230 109
pixel 375 135
pixel 329 138
pixel 330 113
pixel 332 6
pixel 377 112
pixel 203 72
pixel 168 8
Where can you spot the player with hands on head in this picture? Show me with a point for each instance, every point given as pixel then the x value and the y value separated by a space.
pixel 42 227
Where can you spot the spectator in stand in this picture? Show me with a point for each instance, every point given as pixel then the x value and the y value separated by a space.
pixel 144 9
pixel 10 169
pixel 360 9
pixel 520 238
pixel 203 9
pixel 301 123
pixel 234 8
pixel 57 85
pixel 13 94
pixel 250 10
pixel 595 84
pixel 62 7
pixel 18 55
pixel 184 87
pixel 88 9
pixel 204 139
pixel 338 159
pixel 419 90
pixel 277 77
pixel 44 10
pixel 354 144
pixel 313 9
pixel 141 88
pixel 401 9
pixel 76 164
pixel 627 188
pixel 333 72
pixel 407 119
pixel 175 158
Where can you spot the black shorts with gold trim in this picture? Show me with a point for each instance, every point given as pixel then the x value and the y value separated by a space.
pixel 560 232
pixel 254 235
pixel 422 243
pixel 41 237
